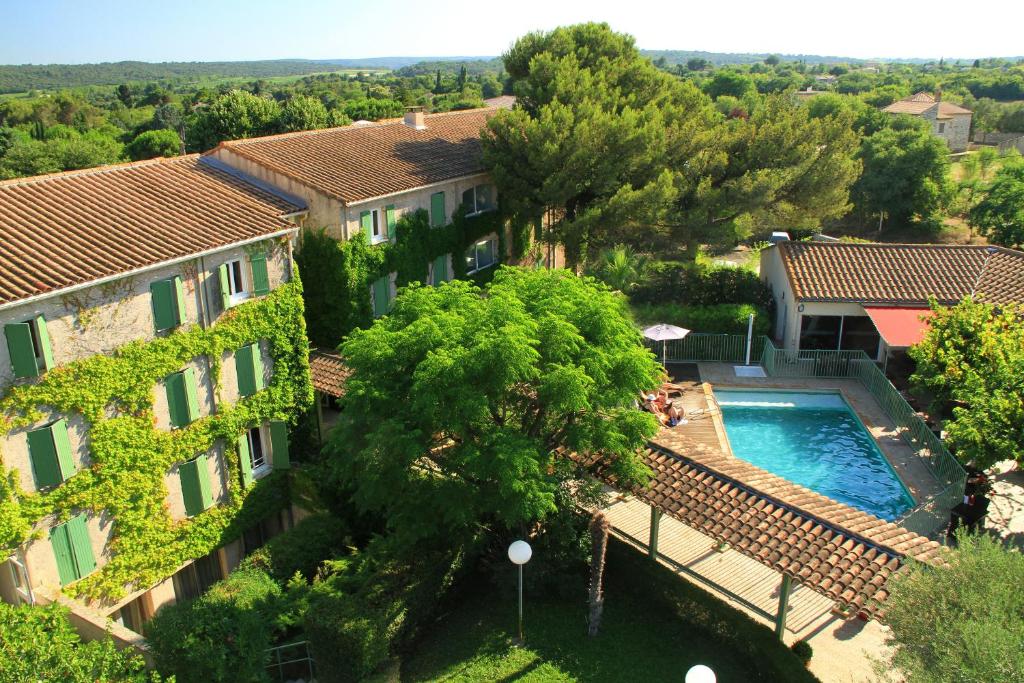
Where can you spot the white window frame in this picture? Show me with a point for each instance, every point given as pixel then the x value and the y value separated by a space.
pixel 477 267
pixel 20 580
pixel 258 470
pixel 237 282
pixel 474 210
pixel 378 230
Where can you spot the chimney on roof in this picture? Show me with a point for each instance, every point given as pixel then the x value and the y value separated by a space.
pixel 414 118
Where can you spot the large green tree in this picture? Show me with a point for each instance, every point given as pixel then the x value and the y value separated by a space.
pixel 592 116
pixel 303 113
pixel 906 173
pixel 154 143
pixel 38 643
pixel 999 215
pixel 972 362
pixel 960 623
pixel 779 169
pixel 232 116
pixel 460 400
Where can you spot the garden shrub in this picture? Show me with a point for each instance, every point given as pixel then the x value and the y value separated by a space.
pixel 372 606
pixel 302 548
pixel 701 285
pixel 718 318
pixel 222 635
pixel 803 650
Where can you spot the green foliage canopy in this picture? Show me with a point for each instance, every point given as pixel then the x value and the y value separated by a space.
pixel 154 143
pixel 999 215
pixel 460 397
pixel 972 359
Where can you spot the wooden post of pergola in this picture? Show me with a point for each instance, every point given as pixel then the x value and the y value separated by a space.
pixel 652 545
pixel 780 617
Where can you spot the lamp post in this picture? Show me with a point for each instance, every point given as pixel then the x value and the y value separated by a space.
pixel 700 674
pixel 520 553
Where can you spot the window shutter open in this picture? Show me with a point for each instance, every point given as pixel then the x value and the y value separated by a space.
pixel 260 279
pixel 44 343
pixel 179 300
pixel 392 221
pixel 225 292
pixel 62 443
pixel 244 459
pixel 62 553
pixel 381 294
pixel 164 309
pixel 366 224
pixel 279 445
pixel 195 485
pixel 245 372
pixel 81 546
pixel 19 345
pixel 42 451
pixel 191 394
pixel 437 217
pixel 177 408
pixel 257 365
pixel 440 269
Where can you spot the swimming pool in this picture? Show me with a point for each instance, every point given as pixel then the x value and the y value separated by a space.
pixel 815 440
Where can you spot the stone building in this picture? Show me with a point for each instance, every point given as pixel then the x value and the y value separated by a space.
pixel 949 121
pixel 118 262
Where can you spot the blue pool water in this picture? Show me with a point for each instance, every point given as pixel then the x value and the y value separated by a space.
pixel 815 440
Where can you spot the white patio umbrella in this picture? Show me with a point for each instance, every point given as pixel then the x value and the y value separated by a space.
pixel 662 332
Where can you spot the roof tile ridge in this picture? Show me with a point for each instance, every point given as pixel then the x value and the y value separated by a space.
pixel 95 170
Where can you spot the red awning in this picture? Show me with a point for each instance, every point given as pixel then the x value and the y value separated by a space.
pixel 900 327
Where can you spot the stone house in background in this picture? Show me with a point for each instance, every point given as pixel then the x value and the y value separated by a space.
pixel 949 121
pixel 90 261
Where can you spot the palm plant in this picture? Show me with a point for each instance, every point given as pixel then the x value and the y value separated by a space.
pixel 620 267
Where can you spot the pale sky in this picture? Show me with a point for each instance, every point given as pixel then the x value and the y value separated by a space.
pixel 52 31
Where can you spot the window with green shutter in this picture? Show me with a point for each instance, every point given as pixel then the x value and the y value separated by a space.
pixel 279 446
pixel 182 397
pixel 225 287
pixel 49 450
pixel 366 224
pixel 249 369
pixel 245 459
pixel 260 279
pixel 28 344
pixel 391 218
pixel 196 491
pixel 165 309
pixel 72 549
pixel 437 216
pixel 439 270
pixel 381 296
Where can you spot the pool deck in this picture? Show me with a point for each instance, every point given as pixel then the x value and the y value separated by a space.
pixel 911 470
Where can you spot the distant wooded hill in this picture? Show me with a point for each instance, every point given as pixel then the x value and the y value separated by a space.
pixel 681 56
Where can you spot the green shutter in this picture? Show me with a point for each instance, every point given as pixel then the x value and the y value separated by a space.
pixel 437 217
pixel 381 294
pixel 260 279
pixel 177 407
pixel 44 343
pixel 392 221
pixel 244 459
pixel 62 443
pixel 279 445
pixel 81 546
pixel 366 224
pixel 191 394
pixel 225 292
pixel 179 300
pixel 19 345
pixel 245 371
pixel 164 309
pixel 62 553
pixel 42 451
pixel 195 485
pixel 440 270
pixel 257 366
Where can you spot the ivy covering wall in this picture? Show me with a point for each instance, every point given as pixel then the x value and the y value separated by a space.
pixel 338 274
pixel 129 457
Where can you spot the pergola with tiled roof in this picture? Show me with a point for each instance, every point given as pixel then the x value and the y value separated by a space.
pixel 329 372
pixel 838 551
pixel 902 274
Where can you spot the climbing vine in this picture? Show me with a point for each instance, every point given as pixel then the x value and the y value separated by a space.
pixel 129 458
pixel 338 274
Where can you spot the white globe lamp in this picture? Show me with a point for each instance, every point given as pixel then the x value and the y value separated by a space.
pixel 520 553
pixel 700 674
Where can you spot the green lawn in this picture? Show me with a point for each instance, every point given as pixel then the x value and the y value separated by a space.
pixel 655 627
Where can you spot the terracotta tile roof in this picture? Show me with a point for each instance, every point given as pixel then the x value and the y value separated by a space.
pixel 921 102
pixel 832 548
pixel 362 161
pixel 902 274
pixel 67 229
pixel 503 101
pixel 329 372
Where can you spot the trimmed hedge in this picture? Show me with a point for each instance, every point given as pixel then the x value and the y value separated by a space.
pixel 302 548
pixel 699 285
pixel 719 318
